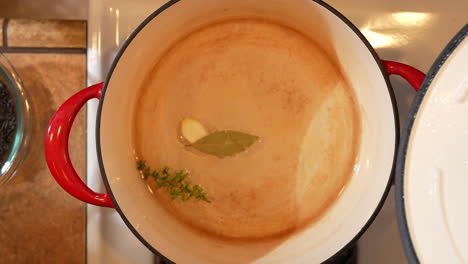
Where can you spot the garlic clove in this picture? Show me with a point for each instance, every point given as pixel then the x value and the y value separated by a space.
pixel 192 130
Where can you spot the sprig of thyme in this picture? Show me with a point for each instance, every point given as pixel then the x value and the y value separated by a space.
pixel 176 183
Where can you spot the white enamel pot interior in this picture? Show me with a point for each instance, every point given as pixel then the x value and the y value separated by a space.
pixel 340 225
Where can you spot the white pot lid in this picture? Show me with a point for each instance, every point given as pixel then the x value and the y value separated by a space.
pixel 432 164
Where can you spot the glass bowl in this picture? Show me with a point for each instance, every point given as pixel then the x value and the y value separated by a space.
pixel 17 152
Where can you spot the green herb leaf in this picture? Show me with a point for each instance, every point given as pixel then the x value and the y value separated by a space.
pixel 224 143
pixel 176 184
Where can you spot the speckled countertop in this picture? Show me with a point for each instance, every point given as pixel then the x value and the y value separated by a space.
pixel 39 222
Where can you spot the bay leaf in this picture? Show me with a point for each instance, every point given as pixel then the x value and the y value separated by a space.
pixel 224 143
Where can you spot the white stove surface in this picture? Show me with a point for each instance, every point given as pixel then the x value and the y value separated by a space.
pixel 412 32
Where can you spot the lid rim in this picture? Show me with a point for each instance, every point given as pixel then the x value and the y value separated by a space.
pixel 405 235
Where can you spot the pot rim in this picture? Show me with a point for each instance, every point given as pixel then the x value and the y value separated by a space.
pixel 162 9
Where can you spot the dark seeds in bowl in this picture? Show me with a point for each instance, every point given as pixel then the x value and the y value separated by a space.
pixel 7 122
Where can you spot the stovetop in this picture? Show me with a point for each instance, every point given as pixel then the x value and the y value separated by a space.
pixel 412 32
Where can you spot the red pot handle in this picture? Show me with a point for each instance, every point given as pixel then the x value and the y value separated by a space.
pixel 56 140
pixel 56 148
pixel 412 76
